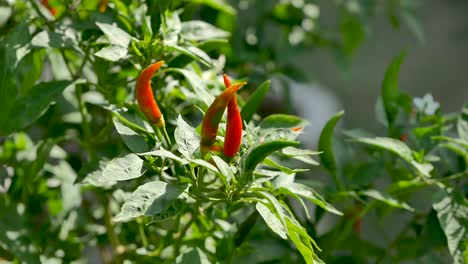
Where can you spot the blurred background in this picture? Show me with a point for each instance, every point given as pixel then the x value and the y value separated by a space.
pixel 332 55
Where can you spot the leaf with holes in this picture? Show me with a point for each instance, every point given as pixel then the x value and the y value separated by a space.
pixel 149 199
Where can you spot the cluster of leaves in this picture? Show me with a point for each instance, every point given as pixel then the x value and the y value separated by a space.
pixel 414 172
pixel 84 176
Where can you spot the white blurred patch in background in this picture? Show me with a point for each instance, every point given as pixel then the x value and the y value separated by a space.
pixel 309 101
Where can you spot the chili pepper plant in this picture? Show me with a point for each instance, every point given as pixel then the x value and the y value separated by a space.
pixel 132 133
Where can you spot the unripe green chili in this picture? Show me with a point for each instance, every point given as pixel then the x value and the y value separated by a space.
pixel 144 95
pixel 213 117
pixel 233 137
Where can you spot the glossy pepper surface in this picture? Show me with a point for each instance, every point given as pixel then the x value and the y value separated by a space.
pixel 213 116
pixel 233 137
pixel 144 95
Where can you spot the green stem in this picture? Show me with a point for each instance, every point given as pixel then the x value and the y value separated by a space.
pixel 141 230
pixel 133 126
pixel 114 239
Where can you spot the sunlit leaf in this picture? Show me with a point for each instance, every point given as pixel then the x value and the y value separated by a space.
pixel 325 143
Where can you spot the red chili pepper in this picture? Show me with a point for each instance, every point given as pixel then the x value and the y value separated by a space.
pixel 144 95
pixel 233 137
pixel 51 9
pixel 213 116
pixel 404 137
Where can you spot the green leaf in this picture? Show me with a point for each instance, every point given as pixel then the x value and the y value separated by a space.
pixel 325 144
pixel 399 148
pixel 302 241
pixel 133 140
pixel 271 220
pixel 462 124
pixel 197 30
pixel 414 25
pixel 282 168
pixel 310 194
pixel 48 39
pixel 91 173
pixel 197 85
pixel 149 199
pixel 386 199
pixel 390 92
pixel 452 211
pixel 226 173
pixel 282 121
pixel 193 52
pixel 186 137
pixel 124 167
pixel 115 35
pixel 192 256
pixel 112 53
pixel 259 153
pixel 291 152
pixel 220 5
pixel 286 191
pixel 30 106
pixel 255 100
pixel 205 164
pixel 161 152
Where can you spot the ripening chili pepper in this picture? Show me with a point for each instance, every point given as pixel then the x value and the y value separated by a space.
pixel 213 116
pixel 51 9
pixel 233 137
pixel 144 95
pixel 404 137
pixel 103 6
pixel 297 129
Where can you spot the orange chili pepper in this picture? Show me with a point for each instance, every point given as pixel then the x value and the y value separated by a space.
pixel 51 9
pixel 213 117
pixel 233 137
pixel 144 95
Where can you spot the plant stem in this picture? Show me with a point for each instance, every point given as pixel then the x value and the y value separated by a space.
pixel 141 230
pixel 114 239
pixel 131 125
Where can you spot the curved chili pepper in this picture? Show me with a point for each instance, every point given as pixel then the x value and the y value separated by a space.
pixel 233 137
pixel 144 95
pixel 213 116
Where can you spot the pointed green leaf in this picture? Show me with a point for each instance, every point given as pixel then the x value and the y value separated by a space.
pixel 257 154
pixel 399 148
pixel 254 101
pixel 115 35
pixel 283 121
pixel 325 143
pixel 390 92
pixel 271 220
pixel 452 211
pixel 386 199
pixel 30 106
